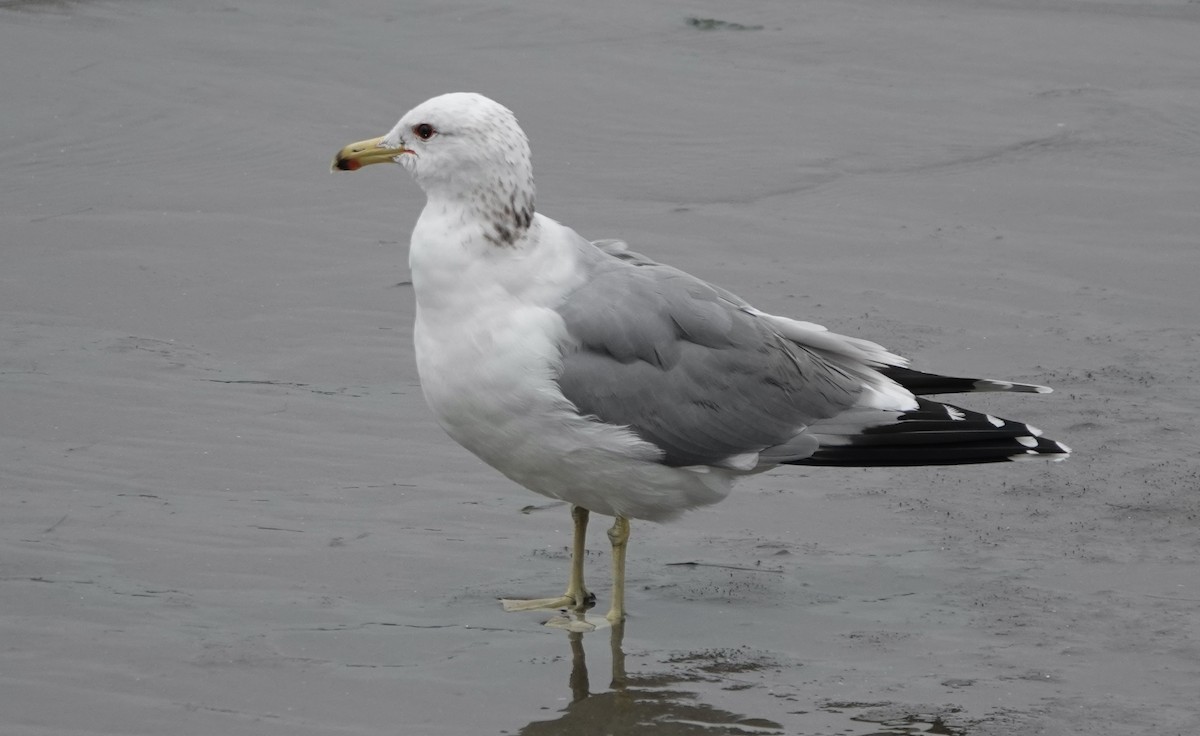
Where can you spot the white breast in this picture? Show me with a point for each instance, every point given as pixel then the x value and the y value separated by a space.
pixel 488 345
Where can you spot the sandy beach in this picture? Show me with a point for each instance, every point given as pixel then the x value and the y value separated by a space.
pixel 225 508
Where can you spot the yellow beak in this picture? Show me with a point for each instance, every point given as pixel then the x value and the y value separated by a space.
pixel 364 153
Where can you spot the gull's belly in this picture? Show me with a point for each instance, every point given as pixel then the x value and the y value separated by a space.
pixel 492 383
pixel 491 378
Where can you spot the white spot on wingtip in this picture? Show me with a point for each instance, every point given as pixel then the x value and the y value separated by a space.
pixel 746 461
pixel 1027 441
pixel 994 421
pixel 1056 457
pixel 955 414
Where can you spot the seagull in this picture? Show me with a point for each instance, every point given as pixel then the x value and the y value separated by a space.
pixel 591 374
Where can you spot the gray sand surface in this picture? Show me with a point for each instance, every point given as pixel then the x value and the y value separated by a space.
pixel 225 509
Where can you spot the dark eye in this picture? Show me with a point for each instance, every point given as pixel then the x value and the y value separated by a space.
pixel 424 131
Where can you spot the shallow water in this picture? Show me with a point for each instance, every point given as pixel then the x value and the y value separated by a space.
pixel 225 509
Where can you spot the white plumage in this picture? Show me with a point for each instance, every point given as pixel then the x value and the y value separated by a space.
pixel 589 373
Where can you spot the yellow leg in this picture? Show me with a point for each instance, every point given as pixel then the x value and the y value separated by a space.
pixel 576 597
pixel 575 587
pixel 619 536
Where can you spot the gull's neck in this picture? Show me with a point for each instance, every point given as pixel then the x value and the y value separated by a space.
pixel 493 191
pixel 503 209
pixel 464 246
pixel 459 273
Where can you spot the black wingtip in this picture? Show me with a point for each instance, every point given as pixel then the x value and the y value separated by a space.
pixel 932 434
pixel 928 384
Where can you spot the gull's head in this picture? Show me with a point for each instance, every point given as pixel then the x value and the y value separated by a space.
pixel 458 146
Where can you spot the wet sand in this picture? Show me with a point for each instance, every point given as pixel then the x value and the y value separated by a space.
pixel 225 509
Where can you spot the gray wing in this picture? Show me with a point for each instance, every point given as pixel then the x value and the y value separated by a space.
pixel 689 369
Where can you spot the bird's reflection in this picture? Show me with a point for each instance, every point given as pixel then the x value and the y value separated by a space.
pixel 633 703
pixel 670 702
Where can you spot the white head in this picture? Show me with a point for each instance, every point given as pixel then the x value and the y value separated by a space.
pixel 462 148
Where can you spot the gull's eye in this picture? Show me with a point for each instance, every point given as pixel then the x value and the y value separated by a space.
pixel 424 131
